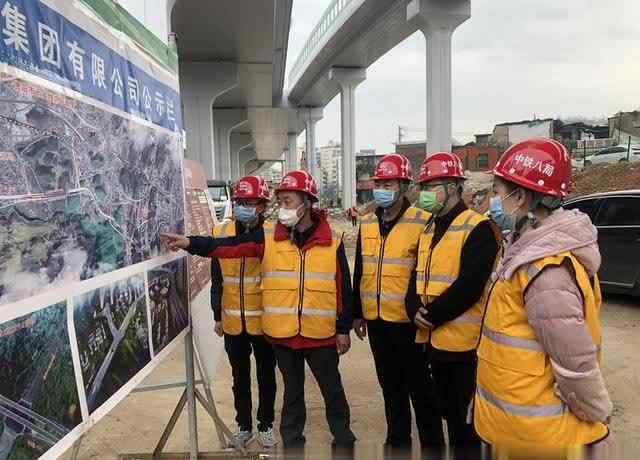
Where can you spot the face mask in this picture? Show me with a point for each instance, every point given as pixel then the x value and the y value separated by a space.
pixel 506 222
pixel 429 202
pixel 246 213
pixel 384 198
pixel 289 217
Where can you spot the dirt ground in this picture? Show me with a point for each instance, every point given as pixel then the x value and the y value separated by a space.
pixel 135 425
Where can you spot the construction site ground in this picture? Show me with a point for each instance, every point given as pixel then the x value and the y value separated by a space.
pixel 136 424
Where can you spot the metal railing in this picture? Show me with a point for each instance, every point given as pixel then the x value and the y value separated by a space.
pixel 329 17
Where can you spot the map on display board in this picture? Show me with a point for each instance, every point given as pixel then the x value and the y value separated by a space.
pixel 90 175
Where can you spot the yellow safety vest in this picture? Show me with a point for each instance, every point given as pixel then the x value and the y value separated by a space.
pixel 437 269
pixel 387 263
pixel 515 403
pixel 299 292
pixel 241 293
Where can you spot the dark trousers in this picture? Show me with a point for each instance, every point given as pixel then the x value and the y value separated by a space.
pixel 404 375
pixel 455 385
pixel 239 349
pixel 323 363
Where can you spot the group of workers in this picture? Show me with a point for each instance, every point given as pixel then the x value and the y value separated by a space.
pixel 488 321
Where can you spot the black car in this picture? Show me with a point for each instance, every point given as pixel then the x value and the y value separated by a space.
pixel 617 217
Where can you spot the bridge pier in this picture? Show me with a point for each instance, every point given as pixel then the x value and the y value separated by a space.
pixel 348 79
pixel 201 84
pixel 239 142
pixel 311 116
pixel 292 152
pixel 224 122
pixel 438 19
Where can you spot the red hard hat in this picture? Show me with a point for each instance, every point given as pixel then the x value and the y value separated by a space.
pixel 393 166
pixel 251 187
pixel 541 165
pixel 441 164
pixel 299 181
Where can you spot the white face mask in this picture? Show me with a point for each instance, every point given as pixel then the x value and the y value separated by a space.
pixel 289 217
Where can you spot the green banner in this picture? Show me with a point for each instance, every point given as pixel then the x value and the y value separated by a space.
pixel 119 18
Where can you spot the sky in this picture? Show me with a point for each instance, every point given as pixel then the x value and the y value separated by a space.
pixel 511 60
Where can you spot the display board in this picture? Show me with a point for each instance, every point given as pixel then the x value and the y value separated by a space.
pixel 199 221
pixel 90 175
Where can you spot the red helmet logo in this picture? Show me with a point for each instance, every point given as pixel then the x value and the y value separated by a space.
pixel 388 169
pixel 245 188
pixel 289 181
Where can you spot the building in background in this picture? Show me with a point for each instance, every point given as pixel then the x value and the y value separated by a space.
pixel 625 125
pixel 330 160
pixel 506 134
pixel 366 161
pixel 415 151
pixel 478 157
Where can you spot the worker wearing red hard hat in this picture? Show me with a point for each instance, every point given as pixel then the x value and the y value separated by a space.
pixel 306 300
pixel 386 253
pixel 236 300
pixel 539 384
pixel 456 256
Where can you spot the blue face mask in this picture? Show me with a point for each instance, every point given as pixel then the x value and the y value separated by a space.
pixel 506 222
pixel 384 198
pixel 245 213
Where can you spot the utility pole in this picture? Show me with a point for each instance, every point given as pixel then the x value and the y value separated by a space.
pixel 399 134
pixel 619 125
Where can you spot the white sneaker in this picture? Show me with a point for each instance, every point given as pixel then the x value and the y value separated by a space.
pixel 240 439
pixel 267 439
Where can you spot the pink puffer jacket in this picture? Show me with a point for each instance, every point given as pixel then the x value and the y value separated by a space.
pixel 554 306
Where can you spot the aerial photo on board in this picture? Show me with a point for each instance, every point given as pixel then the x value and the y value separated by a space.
pixel 113 337
pixel 168 298
pixel 82 191
pixel 38 395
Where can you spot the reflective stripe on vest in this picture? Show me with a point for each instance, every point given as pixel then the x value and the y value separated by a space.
pixel 384 282
pixel 299 289
pixel 241 294
pixel 383 295
pixel 515 403
pixel 236 312
pixel 307 275
pixel 436 270
pixel 515 342
pixel 548 410
pixel 389 261
pixel 246 279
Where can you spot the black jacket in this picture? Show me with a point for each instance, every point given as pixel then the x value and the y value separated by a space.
pixel 476 264
pixel 253 243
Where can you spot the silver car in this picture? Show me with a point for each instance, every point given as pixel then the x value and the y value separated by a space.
pixel 616 154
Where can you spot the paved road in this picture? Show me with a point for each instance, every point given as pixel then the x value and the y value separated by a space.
pixel 117 338
pixel 621 363
pixel 136 424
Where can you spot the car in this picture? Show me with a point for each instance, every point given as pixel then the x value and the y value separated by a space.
pixel 615 154
pixel 616 215
pixel 219 195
